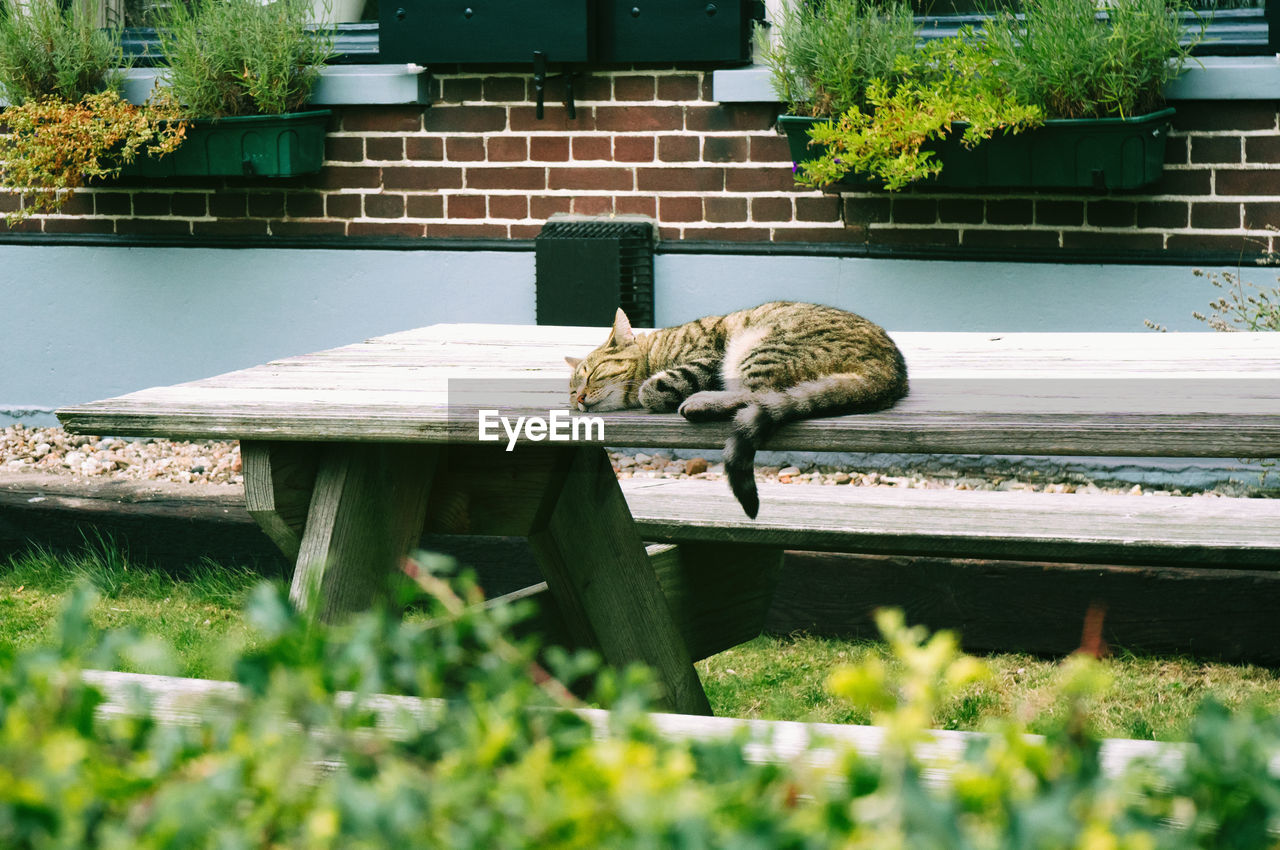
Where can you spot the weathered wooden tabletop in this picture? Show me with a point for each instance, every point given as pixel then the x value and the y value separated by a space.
pixel 1201 394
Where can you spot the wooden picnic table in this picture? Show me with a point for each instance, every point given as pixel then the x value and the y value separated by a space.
pixel 350 453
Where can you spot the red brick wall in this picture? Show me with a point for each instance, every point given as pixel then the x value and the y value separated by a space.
pixel 478 164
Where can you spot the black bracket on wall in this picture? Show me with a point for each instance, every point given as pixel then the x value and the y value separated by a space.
pixel 540 80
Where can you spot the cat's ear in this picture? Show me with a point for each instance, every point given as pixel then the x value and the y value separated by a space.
pixel 622 333
pixel 573 362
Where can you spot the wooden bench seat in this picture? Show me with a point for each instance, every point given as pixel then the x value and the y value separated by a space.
pixel 1196 531
pixel 172 521
pixel 1007 570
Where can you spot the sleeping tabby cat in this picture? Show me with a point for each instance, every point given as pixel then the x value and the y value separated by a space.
pixel 764 366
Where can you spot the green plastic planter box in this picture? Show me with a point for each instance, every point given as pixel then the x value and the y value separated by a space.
pixel 244 146
pixel 1101 154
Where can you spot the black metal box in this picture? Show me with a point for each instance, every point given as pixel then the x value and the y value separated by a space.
pixel 586 270
pixel 485 31
pixel 677 30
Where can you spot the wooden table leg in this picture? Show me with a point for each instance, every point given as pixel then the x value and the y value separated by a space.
pixel 365 505
pixel 366 514
pixel 368 504
pixel 595 564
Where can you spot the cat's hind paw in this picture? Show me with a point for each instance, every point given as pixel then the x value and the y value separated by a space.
pixel 711 405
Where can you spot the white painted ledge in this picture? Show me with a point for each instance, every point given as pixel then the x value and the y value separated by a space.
pixel 1228 78
pixel 1205 78
pixel 367 85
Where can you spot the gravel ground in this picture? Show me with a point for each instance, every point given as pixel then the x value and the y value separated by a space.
pixel 54 450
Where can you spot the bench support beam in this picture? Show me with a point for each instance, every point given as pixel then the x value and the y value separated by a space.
pixel 366 512
pixel 595 564
pixel 719 593
pixel 278 480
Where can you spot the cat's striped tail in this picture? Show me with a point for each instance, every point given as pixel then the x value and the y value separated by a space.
pixel 756 422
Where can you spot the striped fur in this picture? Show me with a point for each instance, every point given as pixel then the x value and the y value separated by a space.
pixel 761 367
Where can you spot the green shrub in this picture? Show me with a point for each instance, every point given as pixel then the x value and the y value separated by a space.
pixel 1076 62
pixel 826 55
pixel 47 49
pixel 55 146
pixel 499 762
pixel 945 82
pixel 67 123
pixel 857 62
pixel 241 57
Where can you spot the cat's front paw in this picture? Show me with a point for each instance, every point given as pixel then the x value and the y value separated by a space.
pixel 657 395
pixel 711 405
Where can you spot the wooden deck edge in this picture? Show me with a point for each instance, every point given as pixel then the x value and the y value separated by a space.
pixel 178 701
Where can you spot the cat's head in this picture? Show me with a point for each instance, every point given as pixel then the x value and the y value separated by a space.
pixel 607 379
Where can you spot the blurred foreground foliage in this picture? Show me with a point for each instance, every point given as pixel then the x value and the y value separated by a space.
pixel 496 757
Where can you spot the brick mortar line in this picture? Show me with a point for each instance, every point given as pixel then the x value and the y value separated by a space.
pixel 549 134
pixel 793 222
pixel 763 193
pixel 1083 199
pixel 612 73
pixel 574 163
pixel 1223 134
pixel 578 104
pixel 1218 166
pixel 1070 228
pixel 489 165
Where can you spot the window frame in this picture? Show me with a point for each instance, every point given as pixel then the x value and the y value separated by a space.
pixel 1231 32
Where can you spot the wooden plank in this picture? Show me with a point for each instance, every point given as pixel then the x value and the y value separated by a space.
pixel 367 510
pixel 1035 607
pixel 1188 435
pixel 1169 530
pixel 719 593
pixel 171 525
pixel 176 701
pixel 592 557
pixel 1163 531
pixel 1124 394
pixel 278 482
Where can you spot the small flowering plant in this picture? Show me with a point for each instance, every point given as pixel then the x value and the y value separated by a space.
pixel 66 121
pixel 55 146
pixel 944 84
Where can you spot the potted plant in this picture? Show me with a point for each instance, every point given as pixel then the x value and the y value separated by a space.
pixel 329 13
pixel 1061 96
pixel 67 122
pixel 242 72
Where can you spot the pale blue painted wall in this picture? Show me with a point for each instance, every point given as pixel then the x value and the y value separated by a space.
pixel 920 295
pixel 81 323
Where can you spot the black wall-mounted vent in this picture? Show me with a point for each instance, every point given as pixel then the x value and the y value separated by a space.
pixel 586 270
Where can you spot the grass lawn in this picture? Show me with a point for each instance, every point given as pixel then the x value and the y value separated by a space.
pixel 776 678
